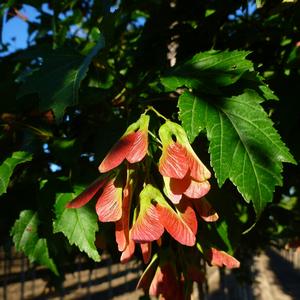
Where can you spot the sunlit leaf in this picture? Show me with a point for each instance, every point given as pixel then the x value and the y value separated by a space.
pixel 8 166
pixel 244 145
pixel 79 225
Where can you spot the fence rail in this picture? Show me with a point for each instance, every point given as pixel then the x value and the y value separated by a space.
pixel 108 280
pixel 104 280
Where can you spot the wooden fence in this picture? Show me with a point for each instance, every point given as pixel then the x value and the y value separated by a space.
pixel 109 280
pixel 104 280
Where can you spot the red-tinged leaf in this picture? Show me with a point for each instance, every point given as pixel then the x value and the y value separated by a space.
pixel 194 273
pixel 175 198
pixel 164 283
pixel 175 226
pixel 221 258
pixel 87 194
pixel 118 153
pixel 197 189
pixel 179 186
pixel 187 214
pixel 101 241
pixel 295 244
pixel 109 205
pixel 174 188
pixel 146 278
pixel 122 226
pixel 173 162
pixel 127 254
pixel 158 283
pixel 198 170
pixel 159 242
pixel 121 235
pixel 139 147
pixel 148 226
pixel 132 146
pixel 205 210
pixel 146 251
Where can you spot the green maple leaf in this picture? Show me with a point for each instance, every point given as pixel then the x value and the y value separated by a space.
pixel 26 239
pixel 244 146
pixel 8 166
pixel 79 225
pixel 208 71
pixel 58 80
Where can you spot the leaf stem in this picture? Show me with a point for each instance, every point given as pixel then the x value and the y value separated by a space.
pixel 54 26
pixel 156 112
pixel 119 95
pixel 154 137
pixel 37 131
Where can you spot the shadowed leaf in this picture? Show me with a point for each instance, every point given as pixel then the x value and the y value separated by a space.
pixel 207 71
pixel 58 80
pixel 26 239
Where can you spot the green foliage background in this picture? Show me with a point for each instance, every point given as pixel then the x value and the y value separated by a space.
pixel 66 99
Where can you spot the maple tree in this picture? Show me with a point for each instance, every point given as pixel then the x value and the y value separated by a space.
pixel 151 129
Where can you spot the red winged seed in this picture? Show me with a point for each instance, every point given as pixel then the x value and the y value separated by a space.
pixel 132 147
pixel 109 204
pixel 146 251
pixel 127 254
pixel 122 226
pixel 175 226
pixel 220 258
pixel 118 153
pixel 164 283
pixel 148 226
pixel 205 210
pixel 173 162
pixel 197 189
pixel 188 214
pixel 139 147
pixel 87 195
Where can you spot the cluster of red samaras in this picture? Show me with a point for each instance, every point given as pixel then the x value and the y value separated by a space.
pixel 139 209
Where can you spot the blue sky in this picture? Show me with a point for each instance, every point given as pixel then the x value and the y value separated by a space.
pixel 15 30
